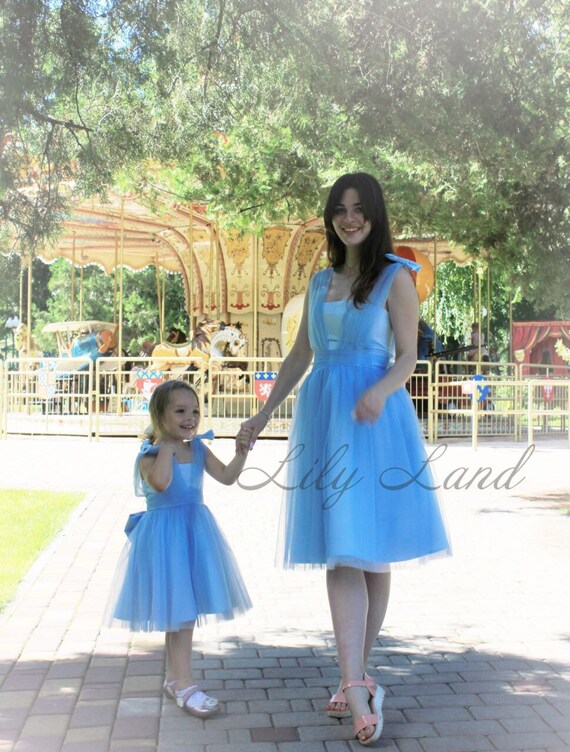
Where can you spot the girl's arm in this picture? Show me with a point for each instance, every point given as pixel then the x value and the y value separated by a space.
pixel 226 474
pixel 156 470
pixel 292 368
pixel 403 307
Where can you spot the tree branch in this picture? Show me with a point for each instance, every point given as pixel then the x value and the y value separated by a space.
pixel 69 124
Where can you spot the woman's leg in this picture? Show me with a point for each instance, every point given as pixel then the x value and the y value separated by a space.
pixel 358 602
pixel 179 657
pixel 378 586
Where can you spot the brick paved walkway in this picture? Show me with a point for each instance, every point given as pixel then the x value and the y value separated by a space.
pixel 475 654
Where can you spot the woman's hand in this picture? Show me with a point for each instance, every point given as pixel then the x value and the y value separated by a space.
pixel 254 426
pixel 243 440
pixel 370 405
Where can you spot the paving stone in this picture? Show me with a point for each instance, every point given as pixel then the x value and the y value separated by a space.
pixel 135 728
pixel 270 734
pixel 21 699
pixel 457 665
pixel 45 725
pixel 15 682
pixel 53 705
pixel 138 707
pixel 295 719
pixel 93 713
pixel 259 747
pixel 456 744
pixel 519 742
pixel 85 746
pixel 39 744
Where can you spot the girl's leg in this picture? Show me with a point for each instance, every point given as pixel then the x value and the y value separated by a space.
pixel 179 657
pixel 180 684
pixel 354 596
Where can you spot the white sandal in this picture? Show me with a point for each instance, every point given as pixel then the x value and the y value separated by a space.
pixel 197 703
pixel 168 690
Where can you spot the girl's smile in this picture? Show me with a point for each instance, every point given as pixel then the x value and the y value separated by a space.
pixel 181 417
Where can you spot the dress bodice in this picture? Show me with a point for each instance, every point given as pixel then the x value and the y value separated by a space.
pixel 340 324
pixel 187 478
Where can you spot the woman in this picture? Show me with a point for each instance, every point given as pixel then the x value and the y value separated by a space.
pixel 353 505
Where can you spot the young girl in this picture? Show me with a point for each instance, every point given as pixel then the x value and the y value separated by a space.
pixel 177 567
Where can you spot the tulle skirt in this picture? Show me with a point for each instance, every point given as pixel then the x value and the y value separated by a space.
pixel 357 495
pixel 176 569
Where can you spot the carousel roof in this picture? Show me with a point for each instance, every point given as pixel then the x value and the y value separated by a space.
pixel 124 230
pixel 160 236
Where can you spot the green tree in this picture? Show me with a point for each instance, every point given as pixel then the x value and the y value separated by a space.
pixel 458 106
pixel 140 309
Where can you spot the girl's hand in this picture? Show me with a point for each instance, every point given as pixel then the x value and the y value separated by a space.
pixel 243 440
pixel 168 444
pixel 255 426
pixel 370 405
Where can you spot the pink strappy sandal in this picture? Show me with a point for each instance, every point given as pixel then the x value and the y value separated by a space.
pixel 374 718
pixel 338 697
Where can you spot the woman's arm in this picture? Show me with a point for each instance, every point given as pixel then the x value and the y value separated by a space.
pixel 292 368
pixel 403 307
pixel 156 470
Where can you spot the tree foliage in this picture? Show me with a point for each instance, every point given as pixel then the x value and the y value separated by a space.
pixel 458 106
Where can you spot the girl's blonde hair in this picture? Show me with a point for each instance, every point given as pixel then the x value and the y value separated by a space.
pixel 159 402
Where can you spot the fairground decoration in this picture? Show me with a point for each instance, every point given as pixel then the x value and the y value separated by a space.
pixel 147 381
pixel 264 381
pixel 547 392
pixel 476 386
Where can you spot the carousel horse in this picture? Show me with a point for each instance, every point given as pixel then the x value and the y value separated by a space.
pixel 94 345
pixel 227 343
pixel 21 343
pixel 199 349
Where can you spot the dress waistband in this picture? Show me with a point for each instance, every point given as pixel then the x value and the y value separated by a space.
pixel 359 358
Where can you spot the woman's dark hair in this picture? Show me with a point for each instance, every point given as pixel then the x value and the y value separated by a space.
pixel 377 244
pixel 159 402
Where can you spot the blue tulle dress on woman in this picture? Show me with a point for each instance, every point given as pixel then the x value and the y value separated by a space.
pixel 176 567
pixel 351 497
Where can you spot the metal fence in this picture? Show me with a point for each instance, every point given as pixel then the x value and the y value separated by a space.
pixel 110 397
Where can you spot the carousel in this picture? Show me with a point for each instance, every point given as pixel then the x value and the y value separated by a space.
pixel 243 296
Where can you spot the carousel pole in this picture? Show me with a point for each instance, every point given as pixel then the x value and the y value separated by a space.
pixel 72 301
pixel 255 291
pixel 191 273
pixel 479 316
pixel 159 300
pixel 115 279
pixel 163 299
pixel 81 293
pixel 434 293
pixel 21 300
pixel 489 308
pixel 210 269
pixel 29 307
pixel 511 354
pixel 121 289
pixel 218 273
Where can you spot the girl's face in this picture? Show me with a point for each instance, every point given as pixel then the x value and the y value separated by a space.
pixel 181 417
pixel 348 219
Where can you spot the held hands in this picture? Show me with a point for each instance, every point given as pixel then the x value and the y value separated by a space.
pixel 255 426
pixel 243 440
pixel 370 405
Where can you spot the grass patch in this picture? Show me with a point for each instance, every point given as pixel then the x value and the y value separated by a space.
pixel 28 522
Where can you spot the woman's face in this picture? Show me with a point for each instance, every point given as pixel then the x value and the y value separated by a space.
pixel 348 219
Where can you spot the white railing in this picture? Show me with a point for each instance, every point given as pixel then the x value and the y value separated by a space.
pixel 110 398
